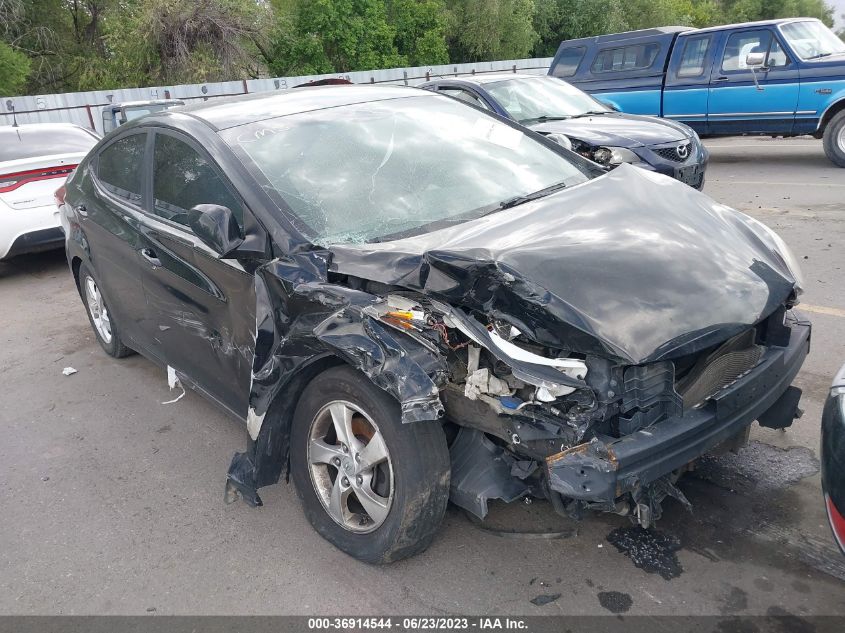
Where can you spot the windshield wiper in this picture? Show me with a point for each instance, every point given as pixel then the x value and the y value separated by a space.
pixel 589 113
pixel 517 200
pixel 544 119
pixel 820 55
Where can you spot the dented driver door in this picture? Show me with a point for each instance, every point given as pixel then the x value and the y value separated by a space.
pixel 202 307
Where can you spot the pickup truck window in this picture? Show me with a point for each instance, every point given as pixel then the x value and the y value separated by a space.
pixel 568 62
pixel 692 59
pixel 634 57
pixel 812 40
pixel 777 56
pixel 741 44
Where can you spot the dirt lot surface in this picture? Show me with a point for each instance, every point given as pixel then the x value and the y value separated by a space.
pixel 113 502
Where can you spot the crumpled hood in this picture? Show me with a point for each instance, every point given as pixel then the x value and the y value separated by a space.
pixel 616 130
pixel 630 265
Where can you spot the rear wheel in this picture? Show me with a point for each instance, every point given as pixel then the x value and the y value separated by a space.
pixel 834 140
pixel 372 486
pixel 101 318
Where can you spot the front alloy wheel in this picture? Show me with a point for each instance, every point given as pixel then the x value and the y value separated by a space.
pixel 350 467
pixel 372 486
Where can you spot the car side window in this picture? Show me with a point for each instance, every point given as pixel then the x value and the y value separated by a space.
pixel 740 45
pixel 633 57
pixel 120 167
pixel 568 62
pixel 777 56
pixel 182 179
pixel 464 95
pixel 693 57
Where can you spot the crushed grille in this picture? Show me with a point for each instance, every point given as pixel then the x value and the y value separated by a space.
pixel 719 369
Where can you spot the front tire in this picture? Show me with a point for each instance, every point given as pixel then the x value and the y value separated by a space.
pixel 834 140
pixel 101 318
pixel 372 486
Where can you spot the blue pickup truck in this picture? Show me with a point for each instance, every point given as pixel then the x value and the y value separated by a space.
pixel 777 77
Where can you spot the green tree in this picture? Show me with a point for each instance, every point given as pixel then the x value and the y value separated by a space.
pixel 482 30
pixel 557 20
pixel 14 69
pixel 172 41
pixel 324 36
pixel 420 27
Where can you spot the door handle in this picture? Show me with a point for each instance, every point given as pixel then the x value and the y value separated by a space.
pixel 81 211
pixel 150 255
pixel 720 79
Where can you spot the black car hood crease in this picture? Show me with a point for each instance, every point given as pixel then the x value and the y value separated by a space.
pixel 631 266
pixel 615 130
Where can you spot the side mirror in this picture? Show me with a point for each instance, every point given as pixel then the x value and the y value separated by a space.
pixel 755 60
pixel 216 226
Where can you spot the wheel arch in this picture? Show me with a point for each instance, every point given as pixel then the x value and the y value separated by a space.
pixel 831 111
pixel 304 326
pixel 75 265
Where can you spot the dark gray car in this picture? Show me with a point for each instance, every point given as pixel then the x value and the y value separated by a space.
pixel 573 118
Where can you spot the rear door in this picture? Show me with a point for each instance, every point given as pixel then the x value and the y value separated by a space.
pixel 736 104
pixel 110 213
pixel 687 87
pixel 203 306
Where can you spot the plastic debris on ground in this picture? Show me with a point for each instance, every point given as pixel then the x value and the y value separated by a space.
pixel 173 382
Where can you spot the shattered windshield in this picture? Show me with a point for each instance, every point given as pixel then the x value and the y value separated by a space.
pixel 386 169
pixel 812 39
pixel 530 99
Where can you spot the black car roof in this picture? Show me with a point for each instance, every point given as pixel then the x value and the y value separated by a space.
pixel 242 109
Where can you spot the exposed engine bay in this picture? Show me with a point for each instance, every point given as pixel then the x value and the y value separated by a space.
pixel 588 358
pixel 517 407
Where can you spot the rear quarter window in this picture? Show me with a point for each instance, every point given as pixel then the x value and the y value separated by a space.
pixel 568 61
pixel 694 56
pixel 120 167
pixel 632 57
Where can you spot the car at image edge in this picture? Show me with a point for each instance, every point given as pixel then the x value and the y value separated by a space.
pixel 409 301
pixel 33 158
pixel 833 458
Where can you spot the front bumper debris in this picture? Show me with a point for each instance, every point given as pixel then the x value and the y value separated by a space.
pixel 605 469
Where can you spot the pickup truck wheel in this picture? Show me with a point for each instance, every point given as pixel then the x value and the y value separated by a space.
pixel 101 318
pixel 834 140
pixel 372 486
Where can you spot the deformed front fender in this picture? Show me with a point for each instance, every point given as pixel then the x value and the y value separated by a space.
pixel 305 324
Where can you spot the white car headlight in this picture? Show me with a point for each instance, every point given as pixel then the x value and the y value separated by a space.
pixel 614 156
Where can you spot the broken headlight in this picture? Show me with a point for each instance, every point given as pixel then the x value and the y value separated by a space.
pixel 614 156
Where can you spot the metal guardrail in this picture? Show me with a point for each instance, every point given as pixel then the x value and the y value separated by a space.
pixel 84 108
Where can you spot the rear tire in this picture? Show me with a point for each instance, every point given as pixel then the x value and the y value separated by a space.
pixel 834 139
pixel 100 316
pixel 341 420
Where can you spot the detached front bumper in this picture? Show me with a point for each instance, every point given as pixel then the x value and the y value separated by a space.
pixel 607 468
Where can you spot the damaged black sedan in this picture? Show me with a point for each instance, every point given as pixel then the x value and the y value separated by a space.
pixel 409 301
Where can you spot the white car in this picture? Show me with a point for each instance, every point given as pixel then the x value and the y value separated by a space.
pixel 34 161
